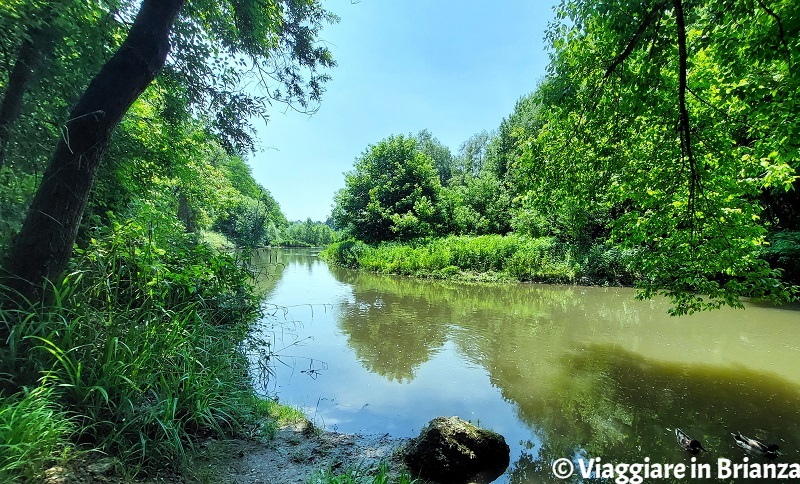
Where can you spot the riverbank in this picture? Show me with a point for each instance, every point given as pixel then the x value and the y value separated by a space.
pixel 142 354
pixel 491 258
pixel 297 452
pixel 141 367
pixel 303 453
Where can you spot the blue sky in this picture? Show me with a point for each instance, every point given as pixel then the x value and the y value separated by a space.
pixel 452 67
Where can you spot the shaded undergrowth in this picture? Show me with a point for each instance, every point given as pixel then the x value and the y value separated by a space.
pixel 141 353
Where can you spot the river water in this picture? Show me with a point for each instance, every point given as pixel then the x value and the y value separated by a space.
pixel 560 371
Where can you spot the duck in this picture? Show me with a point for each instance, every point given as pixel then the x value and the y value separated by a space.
pixel 755 446
pixel 692 445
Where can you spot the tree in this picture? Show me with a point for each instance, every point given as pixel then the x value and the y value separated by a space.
pixel 504 150
pixel 213 39
pixel 440 154
pixel 472 154
pixel 35 32
pixel 308 233
pixel 222 47
pixel 478 207
pixel 44 245
pixel 390 195
pixel 675 117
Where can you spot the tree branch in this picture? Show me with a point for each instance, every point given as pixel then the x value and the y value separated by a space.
pixel 648 19
pixel 42 248
pixel 684 126
pixel 781 31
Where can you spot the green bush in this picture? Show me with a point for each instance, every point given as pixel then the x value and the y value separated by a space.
pixel 512 256
pixel 542 259
pixel 346 253
pixel 605 263
pixel 784 253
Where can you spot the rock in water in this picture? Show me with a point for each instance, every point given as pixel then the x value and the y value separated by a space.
pixel 450 450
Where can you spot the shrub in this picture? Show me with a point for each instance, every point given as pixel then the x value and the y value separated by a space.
pixel 346 253
pixel 784 253
pixel 524 258
pixel 604 262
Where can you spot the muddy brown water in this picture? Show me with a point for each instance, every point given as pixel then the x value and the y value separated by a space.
pixel 563 372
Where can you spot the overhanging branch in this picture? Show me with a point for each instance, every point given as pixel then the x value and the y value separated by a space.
pixel 648 19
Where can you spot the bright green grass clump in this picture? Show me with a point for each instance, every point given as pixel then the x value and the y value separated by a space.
pixel 362 475
pixel 489 258
pixel 32 431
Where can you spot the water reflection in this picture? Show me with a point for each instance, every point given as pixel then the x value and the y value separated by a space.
pixel 560 371
pixel 612 403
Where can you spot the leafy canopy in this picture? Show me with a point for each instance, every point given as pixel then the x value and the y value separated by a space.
pixel 677 117
pixel 391 194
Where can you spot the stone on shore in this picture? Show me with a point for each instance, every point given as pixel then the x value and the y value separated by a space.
pixel 450 450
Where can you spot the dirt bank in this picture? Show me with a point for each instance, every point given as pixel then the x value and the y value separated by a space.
pixel 294 455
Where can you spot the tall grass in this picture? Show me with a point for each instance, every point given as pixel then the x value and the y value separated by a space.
pixel 32 431
pixel 490 257
pixel 143 346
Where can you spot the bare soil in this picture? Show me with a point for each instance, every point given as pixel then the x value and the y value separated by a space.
pixel 295 455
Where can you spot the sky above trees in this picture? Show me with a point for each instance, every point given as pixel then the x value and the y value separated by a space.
pixel 452 67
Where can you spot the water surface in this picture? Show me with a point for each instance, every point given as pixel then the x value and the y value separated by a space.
pixel 560 371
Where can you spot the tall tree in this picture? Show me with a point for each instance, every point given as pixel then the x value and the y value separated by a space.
pixel 391 194
pixel 30 53
pixel 42 248
pixel 40 42
pixel 219 42
pixel 472 154
pixel 439 153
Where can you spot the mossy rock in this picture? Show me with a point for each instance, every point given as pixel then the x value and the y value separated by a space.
pixel 450 450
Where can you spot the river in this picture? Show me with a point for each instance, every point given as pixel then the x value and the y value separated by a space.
pixel 560 371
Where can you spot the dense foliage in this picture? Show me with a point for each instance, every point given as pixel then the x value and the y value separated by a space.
pixel 665 129
pixel 490 258
pixel 391 194
pixel 142 348
pixel 676 142
pixel 307 234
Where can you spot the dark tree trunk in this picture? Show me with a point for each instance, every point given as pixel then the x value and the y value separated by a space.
pixel 186 214
pixel 29 57
pixel 41 250
pixel 684 125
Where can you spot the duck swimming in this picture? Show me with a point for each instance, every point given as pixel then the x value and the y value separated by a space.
pixel 755 446
pixel 692 445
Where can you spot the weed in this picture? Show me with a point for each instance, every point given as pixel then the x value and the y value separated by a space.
pixel 360 474
pixel 490 258
pixel 143 346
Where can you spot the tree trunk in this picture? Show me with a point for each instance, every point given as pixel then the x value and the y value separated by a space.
pixel 186 214
pixel 41 250
pixel 29 57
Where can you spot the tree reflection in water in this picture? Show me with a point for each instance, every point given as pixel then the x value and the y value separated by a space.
pixel 588 371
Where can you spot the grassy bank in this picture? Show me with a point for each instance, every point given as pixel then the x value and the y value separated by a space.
pixel 141 354
pixel 490 258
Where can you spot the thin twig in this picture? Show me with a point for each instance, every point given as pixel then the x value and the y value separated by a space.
pixel 781 32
